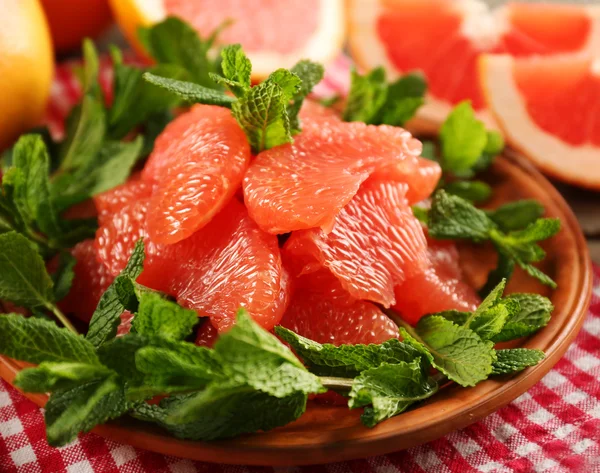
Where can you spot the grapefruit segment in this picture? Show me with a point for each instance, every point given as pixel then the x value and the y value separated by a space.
pixel 111 201
pixel 197 164
pixel 305 184
pixel 375 244
pixel 323 311
pixel 274 34
pixel 228 264
pixel 440 287
pixel 547 109
pixel 444 39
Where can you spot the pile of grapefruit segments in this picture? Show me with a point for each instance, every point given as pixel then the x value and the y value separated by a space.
pixel 317 235
pixel 531 69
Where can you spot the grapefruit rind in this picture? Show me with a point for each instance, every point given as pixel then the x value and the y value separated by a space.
pixel 545 150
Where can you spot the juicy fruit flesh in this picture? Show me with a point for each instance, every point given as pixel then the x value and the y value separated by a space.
pixel 562 97
pixel 228 264
pixel 305 184
pixel 268 25
pixel 440 287
pixel 433 36
pixel 323 311
pixel 196 166
pixel 375 244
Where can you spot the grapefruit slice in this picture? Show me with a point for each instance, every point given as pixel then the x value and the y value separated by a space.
pixel 444 38
pixel 375 244
pixel 305 184
pixel 547 108
pixel 91 279
pixel 196 166
pixel 110 202
pixel 228 264
pixel 440 287
pixel 323 311
pixel 273 34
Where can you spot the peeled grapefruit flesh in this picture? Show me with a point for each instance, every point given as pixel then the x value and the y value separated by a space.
pixel 228 264
pixel 375 244
pixel 440 287
pixel 444 39
pixel 547 107
pixel 110 202
pixel 196 166
pixel 274 33
pixel 305 184
pixel 323 311
pixel 91 279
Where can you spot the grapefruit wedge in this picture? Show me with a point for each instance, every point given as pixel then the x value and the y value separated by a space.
pixel 305 184
pixel 444 38
pixel 228 264
pixel 273 34
pixel 375 244
pixel 548 109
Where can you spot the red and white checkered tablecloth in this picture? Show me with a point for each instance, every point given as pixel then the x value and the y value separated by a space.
pixel 552 428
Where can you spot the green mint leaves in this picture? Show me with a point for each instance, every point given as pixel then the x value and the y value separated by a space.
pixel 452 217
pixel 513 360
pixel 267 112
pixel 372 100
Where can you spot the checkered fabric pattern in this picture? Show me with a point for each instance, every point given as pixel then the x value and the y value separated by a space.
pixel 553 428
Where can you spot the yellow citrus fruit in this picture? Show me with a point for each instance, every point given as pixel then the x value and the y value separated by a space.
pixel 26 67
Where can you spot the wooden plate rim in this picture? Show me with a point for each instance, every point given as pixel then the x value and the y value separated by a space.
pixel 278 448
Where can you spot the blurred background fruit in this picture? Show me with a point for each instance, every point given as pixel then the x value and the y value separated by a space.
pixel 273 33
pixel 26 65
pixel 71 21
pixel 444 40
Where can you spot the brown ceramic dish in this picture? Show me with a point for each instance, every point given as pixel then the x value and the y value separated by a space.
pixel 326 433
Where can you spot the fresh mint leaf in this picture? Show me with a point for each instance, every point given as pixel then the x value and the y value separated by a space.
pixel 516 215
pixel 310 73
pixel 119 296
pixel 223 411
pixel 110 167
pixel 451 217
pixel 135 100
pixel 176 43
pixel 85 132
pixel 346 361
pixel 35 340
pixel 404 97
pixel 421 214
pixel 159 316
pixel 429 150
pixel 190 92
pixel 456 351
pixel 366 97
pixel 389 390
pixel 494 144
pixel 534 313
pixel 64 275
pixel 254 357
pixel 513 360
pixel 473 191
pixel 463 139
pixel 82 408
pixel 262 110
pixel 237 71
pixel 53 376
pixel 23 276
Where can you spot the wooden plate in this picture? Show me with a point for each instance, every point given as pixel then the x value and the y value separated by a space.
pixel 327 433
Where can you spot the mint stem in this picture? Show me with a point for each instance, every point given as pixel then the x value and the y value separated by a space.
pixel 332 382
pixel 62 317
pixel 398 320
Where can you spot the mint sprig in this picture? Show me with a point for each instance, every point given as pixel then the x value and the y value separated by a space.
pixel 452 217
pixel 374 101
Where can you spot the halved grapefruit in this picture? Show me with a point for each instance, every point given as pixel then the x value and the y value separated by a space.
pixel 273 33
pixel 444 38
pixel 548 109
